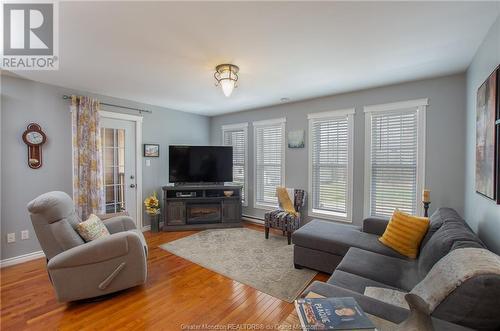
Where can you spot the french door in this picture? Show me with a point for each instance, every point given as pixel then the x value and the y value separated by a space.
pixel 118 138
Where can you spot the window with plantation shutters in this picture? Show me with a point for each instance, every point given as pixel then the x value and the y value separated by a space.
pixel 236 135
pixel 330 170
pixel 269 149
pixel 395 152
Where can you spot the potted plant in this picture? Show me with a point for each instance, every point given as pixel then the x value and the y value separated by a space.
pixel 153 210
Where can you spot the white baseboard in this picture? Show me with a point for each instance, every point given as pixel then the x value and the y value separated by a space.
pixel 36 255
pixel 21 258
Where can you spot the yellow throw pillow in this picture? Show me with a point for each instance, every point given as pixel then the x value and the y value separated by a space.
pixel 92 229
pixel 404 233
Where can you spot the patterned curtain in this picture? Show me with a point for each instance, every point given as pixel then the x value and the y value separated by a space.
pixel 88 189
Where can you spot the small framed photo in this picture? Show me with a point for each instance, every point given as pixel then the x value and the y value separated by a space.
pixel 296 139
pixel 151 150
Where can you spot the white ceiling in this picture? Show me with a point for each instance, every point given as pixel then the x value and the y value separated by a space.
pixel 164 53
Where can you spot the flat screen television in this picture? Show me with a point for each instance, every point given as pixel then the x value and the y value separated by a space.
pixel 200 164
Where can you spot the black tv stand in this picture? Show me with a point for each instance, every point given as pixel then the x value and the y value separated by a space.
pixel 201 206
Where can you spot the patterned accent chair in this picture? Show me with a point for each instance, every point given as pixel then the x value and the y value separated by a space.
pixel 286 222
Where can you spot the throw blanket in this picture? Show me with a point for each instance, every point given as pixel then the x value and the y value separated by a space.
pixel 387 295
pixel 445 276
pixel 285 201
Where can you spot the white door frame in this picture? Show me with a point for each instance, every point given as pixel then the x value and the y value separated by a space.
pixel 138 157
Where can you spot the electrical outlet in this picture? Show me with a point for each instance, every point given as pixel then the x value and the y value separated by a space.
pixel 11 238
pixel 25 234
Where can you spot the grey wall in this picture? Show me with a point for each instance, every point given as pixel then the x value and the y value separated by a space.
pixel 445 154
pixel 482 214
pixel 24 101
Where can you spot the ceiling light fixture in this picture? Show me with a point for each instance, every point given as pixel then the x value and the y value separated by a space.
pixel 226 76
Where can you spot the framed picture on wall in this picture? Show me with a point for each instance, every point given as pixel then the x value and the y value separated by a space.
pixel 497 127
pixel 296 139
pixel 151 150
pixel 486 138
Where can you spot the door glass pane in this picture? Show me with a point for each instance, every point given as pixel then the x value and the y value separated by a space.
pixel 121 138
pixel 108 176
pixel 108 137
pixel 110 209
pixel 109 154
pixel 110 194
pixel 120 207
pixel 120 193
pixel 113 145
pixel 121 157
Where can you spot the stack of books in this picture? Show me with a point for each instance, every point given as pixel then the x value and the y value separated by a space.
pixel 332 314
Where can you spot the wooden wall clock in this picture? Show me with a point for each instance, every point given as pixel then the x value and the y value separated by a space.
pixel 34 138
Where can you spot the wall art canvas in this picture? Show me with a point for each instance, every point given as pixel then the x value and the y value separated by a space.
pixel 151 150
pixel 498 136
pixel 486 137
pixel 296 139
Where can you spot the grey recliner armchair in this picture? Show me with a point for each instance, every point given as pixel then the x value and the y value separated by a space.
pixel 80 270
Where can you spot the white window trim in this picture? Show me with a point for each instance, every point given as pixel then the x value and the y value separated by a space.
pixel 244 127
pixel 269 122
pixel 332 113
pixel 236 126
pixel 256 125
pixel 420 105
pixel 397 105
pixel 350 163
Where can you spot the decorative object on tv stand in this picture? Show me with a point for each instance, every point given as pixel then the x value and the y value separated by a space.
pixel 426 199
pixel 153 210
pixel 34 138
pixel 226 76
pixel 486 114
pixel 228 193
pixel 151 150
pixel 296 139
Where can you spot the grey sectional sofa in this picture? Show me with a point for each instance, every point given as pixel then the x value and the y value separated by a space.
pixel 357 260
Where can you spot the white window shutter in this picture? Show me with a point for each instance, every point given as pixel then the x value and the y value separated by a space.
pixel 329 172
pixel 237 137
pixel 331 165
pixel 394 163
pixel 269 162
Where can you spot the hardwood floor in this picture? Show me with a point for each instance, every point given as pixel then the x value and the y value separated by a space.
pixel 177 292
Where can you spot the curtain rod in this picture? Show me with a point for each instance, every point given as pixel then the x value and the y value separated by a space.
pixel 117 106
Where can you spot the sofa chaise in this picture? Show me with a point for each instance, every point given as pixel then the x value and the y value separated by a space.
pixel 358 260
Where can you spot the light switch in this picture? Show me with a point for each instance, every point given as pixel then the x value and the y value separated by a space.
pixel 148 163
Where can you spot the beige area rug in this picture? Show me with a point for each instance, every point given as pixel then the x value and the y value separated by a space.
pixel 247 257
